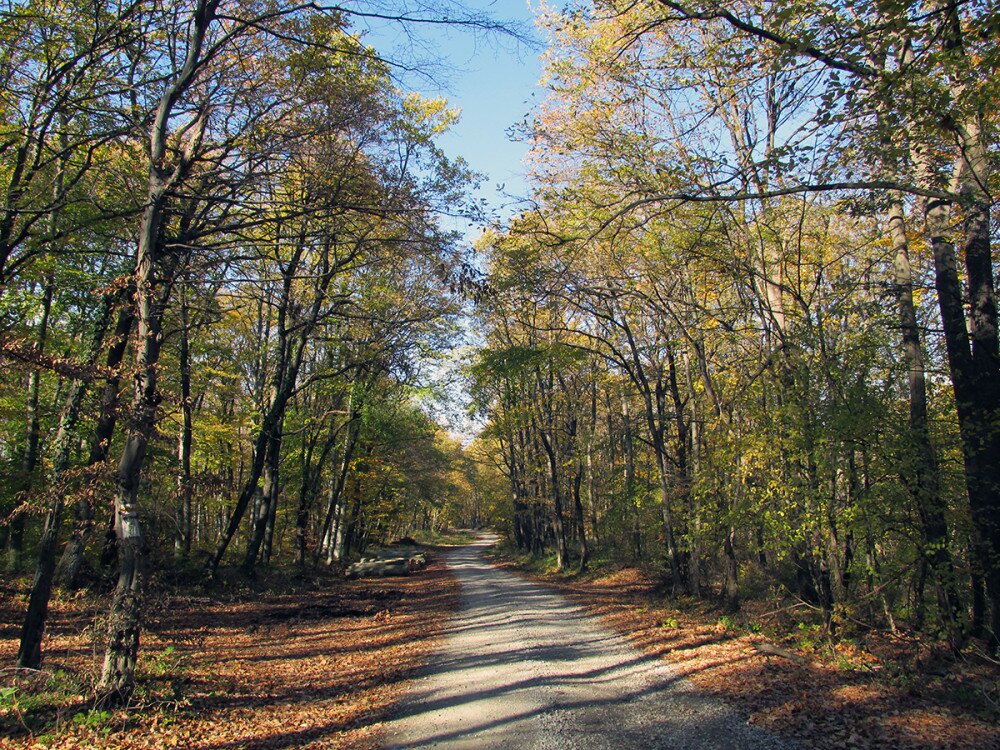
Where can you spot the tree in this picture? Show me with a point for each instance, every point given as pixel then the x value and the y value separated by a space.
pixel 646 115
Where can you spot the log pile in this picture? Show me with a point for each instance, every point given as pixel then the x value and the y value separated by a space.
pixel 391 562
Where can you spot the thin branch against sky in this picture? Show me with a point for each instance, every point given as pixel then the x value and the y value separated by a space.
pixel 488 68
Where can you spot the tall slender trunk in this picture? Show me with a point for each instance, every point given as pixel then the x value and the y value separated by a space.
pixel 267 548
pixel 546 433
pixel 631 494
pixel 335 507
pixel 312 474
pixel 982 433
pixel 653 400
pixel 681 437
pixel 118 673
pixel 519 522
pixel 972 344
pixel 731 587
pixel 268 498
pixel 247 493
pixel 291 351
pixel 979 441
pixel 306 492
pixel 580 524
pixel 352 534
pixel 589 453
pixel 153 279
pixel 666 496
pixel 29 651
pixel 558 515
pixel 657 428
pixel 72 559
pixel 29 458
pixel 182 539
pixel 923 480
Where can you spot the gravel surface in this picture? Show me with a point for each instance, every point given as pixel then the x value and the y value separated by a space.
pixel 523 667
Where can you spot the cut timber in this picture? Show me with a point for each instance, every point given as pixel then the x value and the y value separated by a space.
pixel 389 562
pixel 769 650
pixel 397 566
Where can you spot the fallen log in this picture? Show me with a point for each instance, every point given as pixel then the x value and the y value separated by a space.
pixel 397 566
pixel 769 649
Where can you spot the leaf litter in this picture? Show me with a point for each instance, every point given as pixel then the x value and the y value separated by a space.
pixel 313 668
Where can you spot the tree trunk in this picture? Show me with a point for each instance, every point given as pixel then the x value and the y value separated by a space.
pixel 979 437
pixel 923 479
pixel 29 459
pixel 302 525
pixel 337 484
pixel 631 493
pixel 72 560
pixel 182 540
pixel 268 497
pixel 591 477
pixel 153 280
pixel 982 434
pixel 311 476
pixel 681 436
pixel 29 653
pixel 677 581
pixel 272 515
pixel 118 674
pixel 654 421
pixel 731 589
pixel 558 517
pixel 972 346
pixel 581 528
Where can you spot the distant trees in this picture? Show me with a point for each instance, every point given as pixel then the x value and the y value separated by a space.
pixel 734 249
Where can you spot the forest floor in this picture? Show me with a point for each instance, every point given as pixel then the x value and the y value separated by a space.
pixel 871 690
pixel 317 665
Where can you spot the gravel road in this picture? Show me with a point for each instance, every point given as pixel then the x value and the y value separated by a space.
pixel 524 668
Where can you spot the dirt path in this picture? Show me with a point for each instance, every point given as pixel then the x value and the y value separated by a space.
pixel 523 667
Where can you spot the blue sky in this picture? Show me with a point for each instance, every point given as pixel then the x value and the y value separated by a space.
pixel 492 78
pixel 495 86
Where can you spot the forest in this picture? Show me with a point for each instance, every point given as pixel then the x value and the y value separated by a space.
pixel 222 270
pixel 748 327
pixel 743 331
